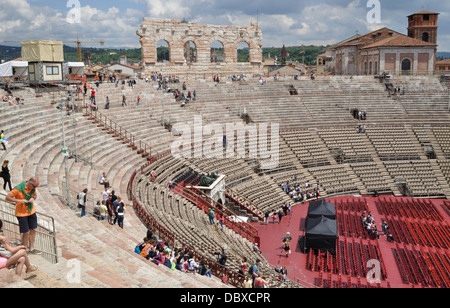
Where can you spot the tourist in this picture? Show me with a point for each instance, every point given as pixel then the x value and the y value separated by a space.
pixel 222 221
pixel 282 273
pixel 280 215
pixel 17 257
pixel 254 270
pixel 103 210
pixel 287 247
pixel 103 180
pixel 6 175
pixel 260 282
pixel 211 216
pixel 116 204
pixel 107 103
pixel 2 139
pixel 242 266
pixel 120 214
pixel 384 227
pixel 93 95
pixel 82 200
pixel 124 101
pixel 105 194
pixel 24 195
pixel 248 283
pixel 109 206
pixel 287 237
pixel 256 248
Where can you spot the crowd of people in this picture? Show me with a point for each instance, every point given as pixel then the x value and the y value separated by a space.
pixel 157 251
pixel 368 222
pixel 10 98
pixel 110 208
pixel 298 193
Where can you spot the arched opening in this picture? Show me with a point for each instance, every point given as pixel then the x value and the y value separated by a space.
pixel 163 51
pixel 425 37
pixel 190 52
pixel 217 52
pixel 406 66
pixel 243 52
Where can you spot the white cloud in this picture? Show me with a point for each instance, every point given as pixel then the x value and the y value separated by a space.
pixel 288 22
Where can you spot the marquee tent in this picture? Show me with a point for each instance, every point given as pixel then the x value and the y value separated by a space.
pixel 14 69
pixel 321 234
pixel 321 208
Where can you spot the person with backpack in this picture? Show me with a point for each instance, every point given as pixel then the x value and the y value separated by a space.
pixel 254 270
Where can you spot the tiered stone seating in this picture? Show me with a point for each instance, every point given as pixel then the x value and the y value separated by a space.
pixel 334 179
pixel 348 141
pixel 105 253
pixel 370 176
pixel 442 134
pixel 392 143
pixel 191 225
pixel 308 150
pixel 418 175
pixel 312 124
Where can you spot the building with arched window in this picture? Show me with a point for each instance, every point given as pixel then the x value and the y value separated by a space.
pixel 388 51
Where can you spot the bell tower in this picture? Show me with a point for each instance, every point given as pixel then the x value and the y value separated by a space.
pixel 423 26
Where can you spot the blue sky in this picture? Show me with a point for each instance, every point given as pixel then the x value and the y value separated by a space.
pixel 289 22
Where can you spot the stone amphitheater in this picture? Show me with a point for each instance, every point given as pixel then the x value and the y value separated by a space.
pixel 313 124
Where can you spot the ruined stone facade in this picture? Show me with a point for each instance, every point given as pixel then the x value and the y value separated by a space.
pixel 200 58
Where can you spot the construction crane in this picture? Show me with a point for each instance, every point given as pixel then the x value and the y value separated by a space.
pixel 78 42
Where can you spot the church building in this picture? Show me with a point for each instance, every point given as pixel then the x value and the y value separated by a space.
pixel 388 51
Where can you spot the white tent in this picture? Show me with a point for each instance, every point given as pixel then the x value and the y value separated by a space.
pixel 14 69
pixel 73 68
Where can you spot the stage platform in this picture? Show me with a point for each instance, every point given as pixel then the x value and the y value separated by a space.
pixel 418 257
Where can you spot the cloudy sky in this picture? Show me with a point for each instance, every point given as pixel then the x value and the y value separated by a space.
pixel 289 22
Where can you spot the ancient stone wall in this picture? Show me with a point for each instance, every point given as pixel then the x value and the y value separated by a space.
pixel 202 60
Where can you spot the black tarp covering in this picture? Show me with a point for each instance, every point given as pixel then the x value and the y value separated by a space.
pixel 322 208
pixel 321 234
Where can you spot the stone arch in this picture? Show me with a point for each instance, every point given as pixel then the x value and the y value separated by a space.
pixel 190 50
pixel 217 50
pixel 163 50
pixel 243 51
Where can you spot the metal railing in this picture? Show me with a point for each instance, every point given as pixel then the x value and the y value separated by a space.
pixel 45 240
pixel 116 130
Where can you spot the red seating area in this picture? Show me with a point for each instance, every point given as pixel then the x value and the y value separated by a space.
pixel 351 259
pixel 418 257
pixel 423 268
pixel 411 208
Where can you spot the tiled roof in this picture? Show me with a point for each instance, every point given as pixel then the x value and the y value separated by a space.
pixel 398 41
pixel 424 12
pixel 443 62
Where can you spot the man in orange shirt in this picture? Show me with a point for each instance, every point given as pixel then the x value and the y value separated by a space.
pixel 24 195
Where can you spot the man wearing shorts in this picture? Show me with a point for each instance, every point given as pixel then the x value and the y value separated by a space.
pixel 24 195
